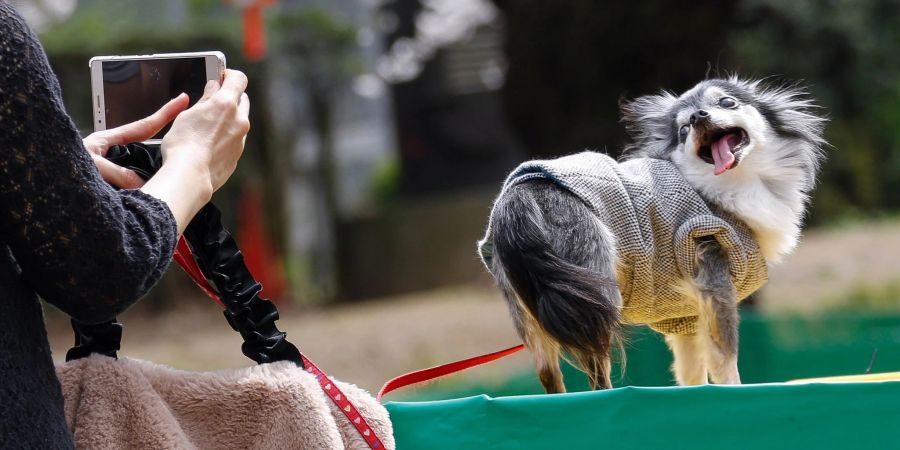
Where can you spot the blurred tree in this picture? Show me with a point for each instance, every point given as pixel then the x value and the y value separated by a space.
pixel 318 54
pixel 314 58
pixel 570 61
pixel 447 62
pixel 846 50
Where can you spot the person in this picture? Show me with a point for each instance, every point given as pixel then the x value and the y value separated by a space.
pixel 69 237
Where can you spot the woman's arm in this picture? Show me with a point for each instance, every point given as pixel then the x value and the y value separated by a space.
pixel 86 248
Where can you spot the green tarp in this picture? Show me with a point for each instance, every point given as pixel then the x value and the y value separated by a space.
pixel 768 416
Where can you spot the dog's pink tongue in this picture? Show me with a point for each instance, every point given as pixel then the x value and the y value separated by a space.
pixel 722 154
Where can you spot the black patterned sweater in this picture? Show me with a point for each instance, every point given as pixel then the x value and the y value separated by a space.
pixel 65 235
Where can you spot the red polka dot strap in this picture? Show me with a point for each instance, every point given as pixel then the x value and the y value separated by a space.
pixel 340 400
pixel 185 258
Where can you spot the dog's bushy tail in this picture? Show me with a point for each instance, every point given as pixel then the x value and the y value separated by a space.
pixel 560 260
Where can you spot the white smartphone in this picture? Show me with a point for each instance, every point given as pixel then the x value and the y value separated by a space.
pixel 128 88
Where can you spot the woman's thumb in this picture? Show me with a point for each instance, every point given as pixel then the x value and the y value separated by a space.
pixel 211 87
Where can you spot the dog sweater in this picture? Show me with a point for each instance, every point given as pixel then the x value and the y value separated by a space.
pixel 657 219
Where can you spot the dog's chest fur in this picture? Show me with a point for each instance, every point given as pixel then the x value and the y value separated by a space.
pixel 767 191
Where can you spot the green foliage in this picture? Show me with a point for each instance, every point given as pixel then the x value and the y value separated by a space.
pixel 386 181
pixel 199 7
pixel 321 48
pixel 118 28
pixel 868 298
pixel 846 51
pixel 571 60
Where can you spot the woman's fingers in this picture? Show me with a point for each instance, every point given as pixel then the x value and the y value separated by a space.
pixel 234 85
pixel 144 129
pixel 244 115
pixel 117 175
pixel 210 136
pixel 212 86
pixel 244 107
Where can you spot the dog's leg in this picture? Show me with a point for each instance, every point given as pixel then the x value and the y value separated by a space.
pixel 718 322
pixel 689 363
pixel 544 349
pixel 546 358
pixel 597 368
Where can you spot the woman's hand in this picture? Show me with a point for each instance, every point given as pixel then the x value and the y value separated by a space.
pixel 210 135
pixel 202 148
pixel 98 143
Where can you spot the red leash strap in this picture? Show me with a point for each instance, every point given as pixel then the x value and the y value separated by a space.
pixel 442 370
pixel 341 401
pixel 185 258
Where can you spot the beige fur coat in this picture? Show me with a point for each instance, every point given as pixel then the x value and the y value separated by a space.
pixel 133 404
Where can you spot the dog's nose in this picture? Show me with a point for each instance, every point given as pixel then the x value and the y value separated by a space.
pixel 699 116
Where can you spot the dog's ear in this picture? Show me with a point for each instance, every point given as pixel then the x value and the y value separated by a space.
pixel 788 107
pixel 791 112
pixel 649 121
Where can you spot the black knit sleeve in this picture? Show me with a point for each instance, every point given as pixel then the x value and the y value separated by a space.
pixel 88 249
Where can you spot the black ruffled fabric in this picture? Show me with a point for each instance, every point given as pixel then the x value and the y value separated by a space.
pixel 221 262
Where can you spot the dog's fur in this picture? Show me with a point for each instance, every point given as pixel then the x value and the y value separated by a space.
pixel 555 261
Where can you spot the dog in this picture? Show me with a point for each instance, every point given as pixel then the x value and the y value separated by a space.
pixel 711 190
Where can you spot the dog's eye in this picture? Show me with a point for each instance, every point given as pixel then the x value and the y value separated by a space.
pixel 683 132
pixel 727 102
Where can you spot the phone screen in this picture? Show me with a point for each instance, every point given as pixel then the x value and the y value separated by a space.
pixel 135 89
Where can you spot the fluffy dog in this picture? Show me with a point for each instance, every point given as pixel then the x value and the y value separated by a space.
pixel 712 189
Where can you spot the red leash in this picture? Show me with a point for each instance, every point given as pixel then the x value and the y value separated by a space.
pixel 445 369
pixel 343 403
pixel 185 258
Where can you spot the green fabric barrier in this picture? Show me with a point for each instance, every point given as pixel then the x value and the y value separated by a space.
pixel 768 416
pixel 772 349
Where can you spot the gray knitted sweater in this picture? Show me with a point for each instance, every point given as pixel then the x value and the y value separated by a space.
pixel 656 217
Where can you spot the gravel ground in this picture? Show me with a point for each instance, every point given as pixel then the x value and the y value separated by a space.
pixel 364 343
pixel 829 264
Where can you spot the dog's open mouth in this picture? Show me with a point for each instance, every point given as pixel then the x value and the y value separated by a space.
pixel 722 148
